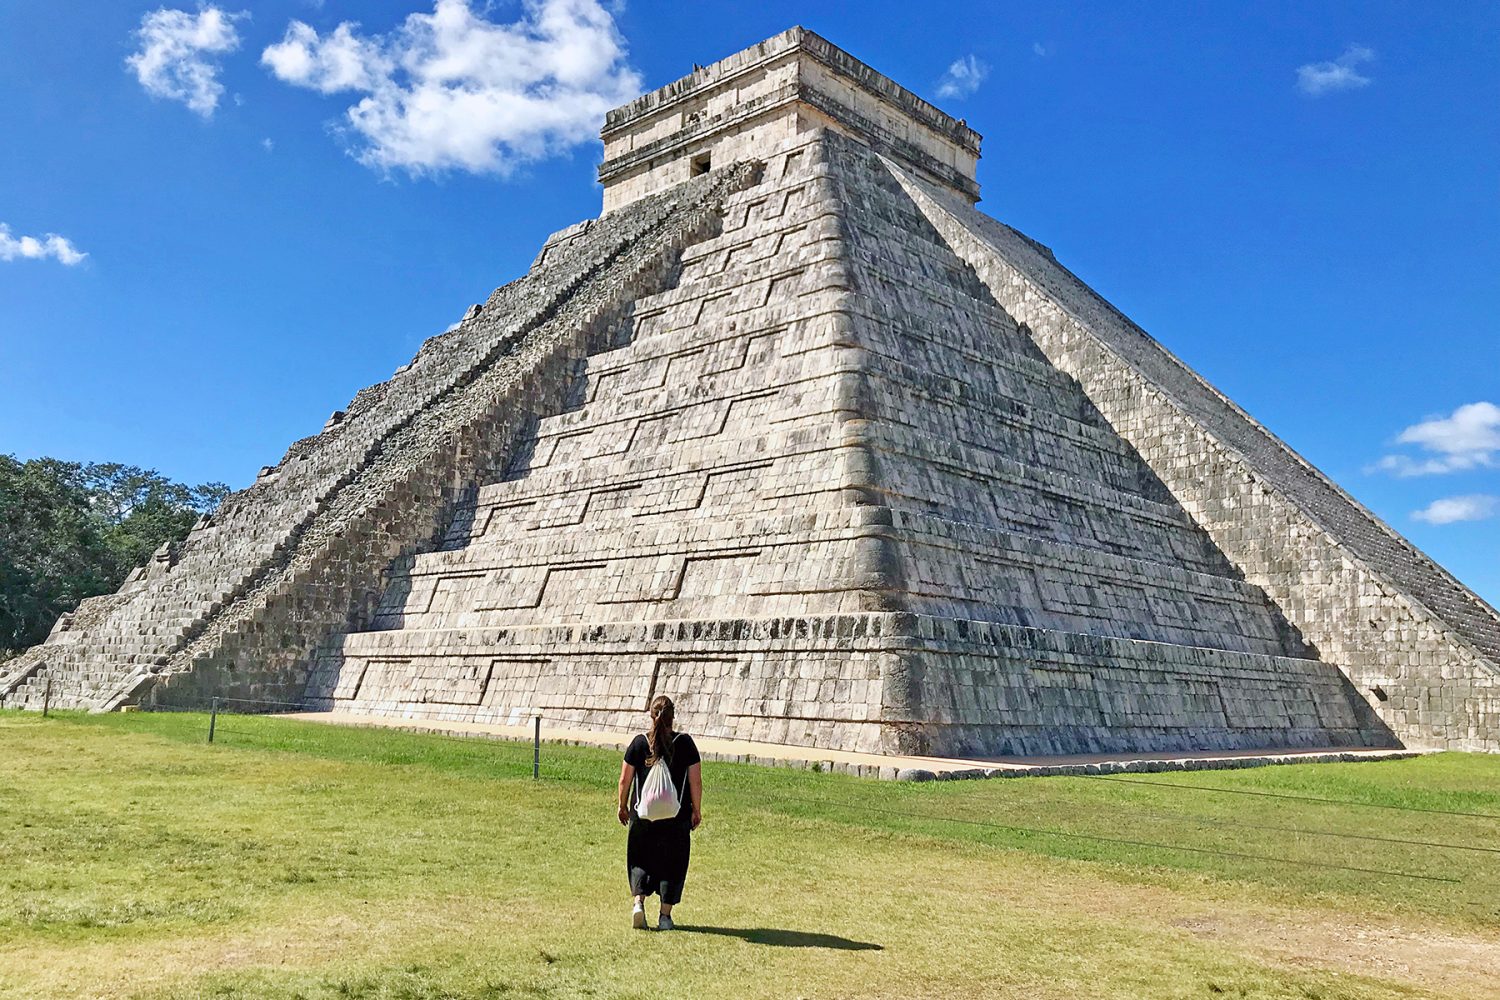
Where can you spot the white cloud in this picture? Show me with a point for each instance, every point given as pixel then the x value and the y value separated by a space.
pixel 1474 507
pixel 1473 428
pixel 963 77
pixel 1468 438
pixel 1039 49
pixel 57 247
pixel 1406 467
pixel 340 61
pixel 452 91
pixel 1315 79
pixel 268 144
pixel 175 59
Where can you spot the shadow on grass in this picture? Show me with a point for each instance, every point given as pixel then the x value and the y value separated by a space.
pixel 784 939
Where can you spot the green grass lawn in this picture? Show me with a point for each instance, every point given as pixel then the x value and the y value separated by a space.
pixel 297 860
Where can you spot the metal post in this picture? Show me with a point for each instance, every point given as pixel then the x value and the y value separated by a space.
pixel 47 697
pixel 536 751
pixel 213 719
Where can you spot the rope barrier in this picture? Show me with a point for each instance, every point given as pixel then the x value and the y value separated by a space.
pixel 1288 795
pixel 519 742
pixel 1133 843
pixel 1235 824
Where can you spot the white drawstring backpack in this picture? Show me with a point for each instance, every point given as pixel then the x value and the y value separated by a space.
pixel 658 793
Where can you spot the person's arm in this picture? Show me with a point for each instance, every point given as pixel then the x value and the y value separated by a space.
pixel 627 775
pixel 695 783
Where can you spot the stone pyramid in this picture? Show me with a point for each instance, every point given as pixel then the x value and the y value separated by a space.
pixel 795 434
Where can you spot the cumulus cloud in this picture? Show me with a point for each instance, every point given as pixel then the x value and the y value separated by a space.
pixel 176 58
pixel 451 90
pixel 340 61
pixel 1316 79
pixel 1468 438
pixel 1040 50
pixel 1472 429
pixel 1474 507
pixel 963 77
pixel 51 245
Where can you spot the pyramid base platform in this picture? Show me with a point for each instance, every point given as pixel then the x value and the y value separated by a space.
pixel 879 682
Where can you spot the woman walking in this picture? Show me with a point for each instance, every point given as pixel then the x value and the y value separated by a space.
pixel 656 850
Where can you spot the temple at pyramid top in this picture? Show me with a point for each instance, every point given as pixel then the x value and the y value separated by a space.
pixel 795 82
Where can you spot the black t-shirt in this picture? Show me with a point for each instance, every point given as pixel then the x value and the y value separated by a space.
pixel 684 755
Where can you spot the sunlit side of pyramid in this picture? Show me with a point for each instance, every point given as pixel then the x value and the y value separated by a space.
pixel 796 435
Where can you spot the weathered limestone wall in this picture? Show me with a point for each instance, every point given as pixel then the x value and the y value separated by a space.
pixel 1418 647
pixel 1040 517
pixel 987 689
pixel 810 680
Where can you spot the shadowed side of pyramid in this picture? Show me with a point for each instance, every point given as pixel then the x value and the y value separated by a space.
pixel 1420 650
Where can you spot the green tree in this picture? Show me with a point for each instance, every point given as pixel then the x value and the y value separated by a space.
pixel 51 552
pixel 70 531
pixel 141 509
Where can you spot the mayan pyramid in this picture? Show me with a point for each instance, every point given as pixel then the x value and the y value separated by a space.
pixel 795 434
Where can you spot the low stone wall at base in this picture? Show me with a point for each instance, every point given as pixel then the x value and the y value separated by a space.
pixel 984 689
pixel 1142 766
pixel 883 682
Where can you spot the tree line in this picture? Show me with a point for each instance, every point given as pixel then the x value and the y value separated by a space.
pixel 71 530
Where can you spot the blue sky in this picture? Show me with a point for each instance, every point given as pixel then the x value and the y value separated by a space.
pixel 1302 200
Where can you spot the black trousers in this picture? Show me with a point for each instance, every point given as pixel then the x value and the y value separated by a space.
pixel 656 856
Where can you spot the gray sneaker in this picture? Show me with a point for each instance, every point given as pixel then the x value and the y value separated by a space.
pixel 638 918
pixel 664 924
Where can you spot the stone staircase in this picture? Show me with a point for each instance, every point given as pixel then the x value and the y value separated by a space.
pixel 300 554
